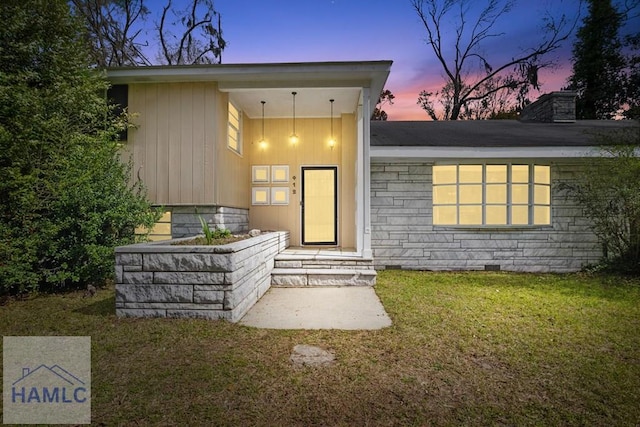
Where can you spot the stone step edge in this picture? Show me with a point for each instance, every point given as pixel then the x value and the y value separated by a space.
pixel 321 271
pixel 303 257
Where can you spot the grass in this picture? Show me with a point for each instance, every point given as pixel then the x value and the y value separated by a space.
pixel 464 349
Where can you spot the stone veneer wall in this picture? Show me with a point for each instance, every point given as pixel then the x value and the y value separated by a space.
pixel 185 221
pixel 214 282
pixel 404 235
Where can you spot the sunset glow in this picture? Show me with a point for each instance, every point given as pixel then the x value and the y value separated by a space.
pixel 352 30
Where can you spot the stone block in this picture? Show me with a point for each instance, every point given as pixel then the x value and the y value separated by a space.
pixel 341 280
pixel 419 170
pixel 417 203
pixel 132 267
pixel 489 244
pixel 381 201
pixel 408 220
pixel 137 277
pixel 384 176
pixel 154 293
pixel 211 287
pixel 288 264
pixel 548 252
pixel 205 278
pixel 402 189
pixel 208 297
pixel 455 257
pixel 187 262
pixel 396 168
pixel 128 259
pixel 430 238
pixel 119 270
pixel 289 280
pixel 232 299
pixel 173 305
pixel 200 314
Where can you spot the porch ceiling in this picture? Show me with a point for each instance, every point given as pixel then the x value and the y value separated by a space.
pixel 310 102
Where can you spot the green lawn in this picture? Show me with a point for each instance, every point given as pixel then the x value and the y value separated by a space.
pixel 464 349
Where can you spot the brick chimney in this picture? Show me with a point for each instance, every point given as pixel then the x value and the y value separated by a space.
pixel 554 107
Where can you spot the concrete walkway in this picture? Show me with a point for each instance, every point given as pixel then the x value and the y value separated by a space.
pixel 349 308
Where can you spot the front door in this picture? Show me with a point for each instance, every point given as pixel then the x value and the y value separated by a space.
pixel 320 205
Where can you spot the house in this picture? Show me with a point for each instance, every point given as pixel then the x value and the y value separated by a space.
pixel 484 195
pixel 291 147
pixel 217 141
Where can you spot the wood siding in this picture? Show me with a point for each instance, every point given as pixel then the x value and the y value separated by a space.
pixel 173 144
pixel 312 149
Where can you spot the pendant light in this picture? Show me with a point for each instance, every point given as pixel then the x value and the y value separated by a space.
pixel 262 143
pixel 332 141
pixel 294 137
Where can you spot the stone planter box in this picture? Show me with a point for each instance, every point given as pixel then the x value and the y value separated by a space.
pixel 158 279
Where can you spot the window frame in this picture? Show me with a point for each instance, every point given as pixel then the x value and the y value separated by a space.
pixel 531 204
pixel 237 130
pixel 118 98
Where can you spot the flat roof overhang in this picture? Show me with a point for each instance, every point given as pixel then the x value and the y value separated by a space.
pixel 248 84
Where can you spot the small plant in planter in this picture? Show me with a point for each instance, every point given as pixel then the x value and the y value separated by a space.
pixel 211 235
pixel 215 236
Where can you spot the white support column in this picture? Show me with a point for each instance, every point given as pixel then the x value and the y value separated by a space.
pixel 363 205
pixel 359 178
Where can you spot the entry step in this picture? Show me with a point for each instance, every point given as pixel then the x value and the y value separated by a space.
pixel 293 277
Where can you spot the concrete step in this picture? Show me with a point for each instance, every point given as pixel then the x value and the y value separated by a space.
pixel 293 277
pixel 322 262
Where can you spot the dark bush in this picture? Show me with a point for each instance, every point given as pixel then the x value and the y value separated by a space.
pixel 66 196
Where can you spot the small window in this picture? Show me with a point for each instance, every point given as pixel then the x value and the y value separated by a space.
pixel 118 97
pixel 161 229
pixel 234 131
pixel 491 195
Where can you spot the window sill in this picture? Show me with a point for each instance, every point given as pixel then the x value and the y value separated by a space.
pixel 494 227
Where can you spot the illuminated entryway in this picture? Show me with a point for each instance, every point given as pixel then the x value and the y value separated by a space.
pixel 319 205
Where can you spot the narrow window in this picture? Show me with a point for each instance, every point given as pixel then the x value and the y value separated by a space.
pixel 491 194
pixel 118 97
pixel 234 138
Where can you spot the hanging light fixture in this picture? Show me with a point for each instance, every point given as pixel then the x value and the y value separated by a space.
pixel 332 141
pixel 294 137
pixel 262 143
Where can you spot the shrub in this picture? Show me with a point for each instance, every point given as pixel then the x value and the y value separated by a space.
pixel 66 196
pixel 609 192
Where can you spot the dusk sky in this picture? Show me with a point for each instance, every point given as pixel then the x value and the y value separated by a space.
pixel 348 30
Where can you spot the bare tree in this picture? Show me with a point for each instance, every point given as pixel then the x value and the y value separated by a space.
pixel 386 97
pixel 119 32
pixel 496 104
pixel 469 74
pixel 114 28
pixel 200 40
